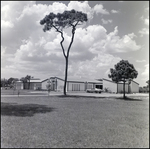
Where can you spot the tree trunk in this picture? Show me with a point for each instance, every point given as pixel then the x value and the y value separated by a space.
pixel 29 85
pixel 124 90
pixel 66 74
pixel 23 85
pixel 66 55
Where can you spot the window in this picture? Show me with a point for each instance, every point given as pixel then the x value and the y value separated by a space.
pixel 89 86
pixel 75 87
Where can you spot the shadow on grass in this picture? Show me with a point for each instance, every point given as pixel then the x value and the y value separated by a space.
pixel 13 109
pixel 78 96
pixel 129 99
pixel 118 98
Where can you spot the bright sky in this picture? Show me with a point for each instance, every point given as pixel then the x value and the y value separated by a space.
pixel 115 30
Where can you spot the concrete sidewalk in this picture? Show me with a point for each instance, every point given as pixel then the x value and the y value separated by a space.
pixel 44 93
pixel 107 94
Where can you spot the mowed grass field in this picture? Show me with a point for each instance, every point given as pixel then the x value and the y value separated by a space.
pixel 68 122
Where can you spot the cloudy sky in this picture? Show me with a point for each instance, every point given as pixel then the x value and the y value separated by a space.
pixel 115 30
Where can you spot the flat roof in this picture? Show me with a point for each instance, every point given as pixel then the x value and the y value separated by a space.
pixel 108 80
pixel 78 79
pixel 37 81
pixel 120 81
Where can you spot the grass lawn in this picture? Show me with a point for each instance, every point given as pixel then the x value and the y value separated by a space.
pixel 68 122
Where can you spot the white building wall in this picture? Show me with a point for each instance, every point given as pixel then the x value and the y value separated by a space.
pixel 75 86
pixel 19 85
pixel 22 86
pixel 60 85
pixel 37 86
pixel 111 86
pixel 90 85
pixel 82 86
pixel 120 88
pixel 32 85
pixel 134 87
pixel 44 83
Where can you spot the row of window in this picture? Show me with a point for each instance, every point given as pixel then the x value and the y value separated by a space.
pixel 77 87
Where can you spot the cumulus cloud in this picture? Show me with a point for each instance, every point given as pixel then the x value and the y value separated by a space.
pixel 140 61
pixel 146 9
pixel 84 7
pixel 28 50
pixel 106 21
pixel 146 71
pixel 116 44
pixel 114 11
pixel 96 67
pixel 145 20
pixel 6 24
pixel 2 50
pixel 99 9
pixel 144 31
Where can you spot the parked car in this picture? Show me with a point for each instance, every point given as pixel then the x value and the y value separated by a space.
pixel 94 90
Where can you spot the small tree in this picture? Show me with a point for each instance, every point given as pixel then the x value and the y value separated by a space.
pixel 28 78
pixel 61 21
pixel 24 80
pixel 11 81
pixel 124 71
pixel 14 85
pixel 147 83
pixel 3 82
pixel 48 86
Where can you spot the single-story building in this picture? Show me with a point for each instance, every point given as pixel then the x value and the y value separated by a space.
pixel 57 84
pixel 83 84
pixel 79 84
pixel 133 87
pixel 19 85
pixel 44 83
pixel 120 87
pixel 109 85
pixel 35 84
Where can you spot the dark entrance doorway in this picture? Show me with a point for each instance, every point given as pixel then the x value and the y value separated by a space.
pixel 99 86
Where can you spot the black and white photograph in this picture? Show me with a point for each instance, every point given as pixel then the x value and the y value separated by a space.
pixel 75 74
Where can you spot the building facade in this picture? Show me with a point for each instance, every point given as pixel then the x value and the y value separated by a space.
pixel 79 84
pixel 57 84
pixel 83 85
pixel 133 87
pixel 120 88
pixel 19 85
pixel 34 84
pixel 43 84
pixel 110 86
